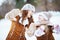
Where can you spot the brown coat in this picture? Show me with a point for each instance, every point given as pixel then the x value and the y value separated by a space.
pixel 48 35
pixel 17 31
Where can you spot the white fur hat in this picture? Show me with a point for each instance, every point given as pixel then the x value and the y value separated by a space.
pixel 28 7
pixel 43 15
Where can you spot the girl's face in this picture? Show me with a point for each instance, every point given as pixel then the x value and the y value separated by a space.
pixel 42 20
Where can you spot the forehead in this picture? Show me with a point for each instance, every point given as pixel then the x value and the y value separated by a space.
pixel 41 17
pixel 24 10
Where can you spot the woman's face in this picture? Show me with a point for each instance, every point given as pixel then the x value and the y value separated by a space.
pixel 29 14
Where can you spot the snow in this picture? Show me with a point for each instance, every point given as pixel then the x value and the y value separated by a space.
pixel 4 28
pixel 56 36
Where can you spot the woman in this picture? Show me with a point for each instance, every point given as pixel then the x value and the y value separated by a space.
pixel 17 31
pixel 6 23
pixel 27 11
pixel 30 26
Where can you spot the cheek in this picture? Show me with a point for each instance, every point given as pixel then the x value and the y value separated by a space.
pixel 41 19
pixel 28 15
pixel 42 27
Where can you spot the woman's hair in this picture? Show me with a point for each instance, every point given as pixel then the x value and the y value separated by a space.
pixel 18 18
pixel 24 14
pixel 30 20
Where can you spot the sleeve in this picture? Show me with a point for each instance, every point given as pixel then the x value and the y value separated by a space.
pixel 12 14
pixel 7 16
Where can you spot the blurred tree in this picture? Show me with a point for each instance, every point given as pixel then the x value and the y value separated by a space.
pixel 5 7
pixel 57 3
pixel 20 3
pixel 46 5
pixel 33 2
pixel 1 17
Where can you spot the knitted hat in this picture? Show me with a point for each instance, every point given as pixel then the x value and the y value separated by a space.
pixel 28 7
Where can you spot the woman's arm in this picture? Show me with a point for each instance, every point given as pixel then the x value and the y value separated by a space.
pixel 12 14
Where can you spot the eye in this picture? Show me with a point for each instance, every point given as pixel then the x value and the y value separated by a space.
pixel 50 26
